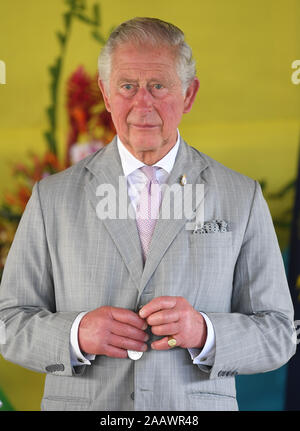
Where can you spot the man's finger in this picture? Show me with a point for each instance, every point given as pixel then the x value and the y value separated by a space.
pixel 115 352
pixel 129 331
pixel 169 328
pixel 160 303
pixel 162 317
pixel 127 343
pixel 127 316
pixel 162 344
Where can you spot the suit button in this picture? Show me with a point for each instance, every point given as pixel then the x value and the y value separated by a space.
pixel 55 367
pixel 132 396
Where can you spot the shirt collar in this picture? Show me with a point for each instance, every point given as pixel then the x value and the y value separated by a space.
pixel 131 163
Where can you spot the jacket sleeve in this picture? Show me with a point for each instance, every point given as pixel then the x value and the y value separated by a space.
pixel 257 336
pixel 36 335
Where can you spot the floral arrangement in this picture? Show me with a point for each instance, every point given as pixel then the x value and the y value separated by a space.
pixel 90 126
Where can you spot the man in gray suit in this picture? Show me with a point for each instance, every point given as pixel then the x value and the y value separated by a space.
pixel 145 312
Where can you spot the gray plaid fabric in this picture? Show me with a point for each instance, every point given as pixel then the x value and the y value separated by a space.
pixel 65 260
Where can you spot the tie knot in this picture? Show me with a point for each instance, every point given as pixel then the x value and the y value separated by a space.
pixel 149 171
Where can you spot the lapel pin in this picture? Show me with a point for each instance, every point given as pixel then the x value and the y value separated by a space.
pixel 183 180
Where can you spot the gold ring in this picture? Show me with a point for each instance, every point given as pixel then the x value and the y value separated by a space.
pixel 171 341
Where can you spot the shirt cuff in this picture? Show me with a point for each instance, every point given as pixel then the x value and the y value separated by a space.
pixel 206 355
pixel 77 357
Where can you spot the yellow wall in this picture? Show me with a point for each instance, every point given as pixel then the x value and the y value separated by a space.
pixel 247 115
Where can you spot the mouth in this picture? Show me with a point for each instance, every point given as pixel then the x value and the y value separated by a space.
pixel 144 126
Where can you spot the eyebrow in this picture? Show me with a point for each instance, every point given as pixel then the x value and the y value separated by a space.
pixel 126 80
pixel 135 81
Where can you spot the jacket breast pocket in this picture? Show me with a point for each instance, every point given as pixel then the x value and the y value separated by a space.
pixel 211 270
pixel 211 240
pixel 211 251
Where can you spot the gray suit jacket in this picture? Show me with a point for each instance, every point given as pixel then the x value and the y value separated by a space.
pixel 65 260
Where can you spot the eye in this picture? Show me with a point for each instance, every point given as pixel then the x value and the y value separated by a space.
pixel 128 86
pixel 158 86
pixel 127 89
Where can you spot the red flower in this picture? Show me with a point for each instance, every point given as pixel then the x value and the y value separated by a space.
pixel 86 111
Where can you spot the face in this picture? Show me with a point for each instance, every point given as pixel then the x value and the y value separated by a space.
pixel 146 100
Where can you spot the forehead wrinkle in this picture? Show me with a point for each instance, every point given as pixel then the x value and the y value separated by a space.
pixel 135 75
pixel 162 69
pixel 127 79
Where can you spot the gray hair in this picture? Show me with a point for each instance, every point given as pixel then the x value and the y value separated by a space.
pixel 151 31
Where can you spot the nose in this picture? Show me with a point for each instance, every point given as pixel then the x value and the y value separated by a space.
pixel 143 99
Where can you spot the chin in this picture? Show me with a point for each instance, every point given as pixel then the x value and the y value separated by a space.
pixel 146 143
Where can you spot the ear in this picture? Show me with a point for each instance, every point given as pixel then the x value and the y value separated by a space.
pixel 104 94
pixel 190 95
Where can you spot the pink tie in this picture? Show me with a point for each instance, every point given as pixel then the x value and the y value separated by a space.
pixel 148 209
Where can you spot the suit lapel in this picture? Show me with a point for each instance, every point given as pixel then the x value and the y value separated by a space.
pixel 107 169
pixel 190 163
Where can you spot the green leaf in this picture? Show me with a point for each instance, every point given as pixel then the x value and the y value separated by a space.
pixel 98 37
pixel 61 37
pixel 48 137
pixel 7 214
pixel 51 142
pixel 290 186
pixel 55 68
pixel 53 71
pixel 263 184
pixel 58 64
pixel 71 3
pixel 80 4
pixel 51 115
pixel 111 30
pixel 53 88
pixel 96 10
pixel 281 224
pixel 67 20
pixel 84 18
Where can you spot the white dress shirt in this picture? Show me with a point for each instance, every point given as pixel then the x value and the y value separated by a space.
pixel 136 181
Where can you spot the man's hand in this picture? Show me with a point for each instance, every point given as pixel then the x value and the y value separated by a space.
pixel 174 316
pixel 111 331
